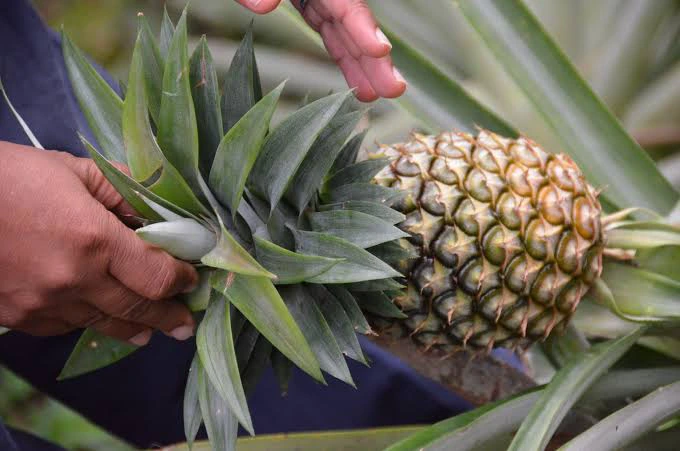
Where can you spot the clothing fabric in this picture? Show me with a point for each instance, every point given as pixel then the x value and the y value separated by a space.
pixel 140 398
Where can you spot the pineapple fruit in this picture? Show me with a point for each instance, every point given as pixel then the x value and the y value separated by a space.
pixel 507 237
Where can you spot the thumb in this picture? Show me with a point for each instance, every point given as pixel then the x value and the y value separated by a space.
pixel 260 6
pixel 97 185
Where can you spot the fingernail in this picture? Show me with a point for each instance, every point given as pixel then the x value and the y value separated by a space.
pixel 398 75
pixel 382 38
pixel 254 3
pixel 141 338
pixel 181 333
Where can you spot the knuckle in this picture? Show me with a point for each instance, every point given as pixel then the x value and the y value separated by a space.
pixel 161 286
pixel 64 277
pixel 138 311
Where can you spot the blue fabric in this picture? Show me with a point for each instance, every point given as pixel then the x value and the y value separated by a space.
pixel 140 398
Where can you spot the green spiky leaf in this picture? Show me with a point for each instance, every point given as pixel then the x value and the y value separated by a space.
pixel 259 301
pixel 351 307
pixel 380 211
pixel 93 351
pixel 288 144
pixel 291 267
pixel 215 347
pixel 220 423
pixel 361 172
pixel 191 409
pixel 239 149
pixel 177 129
pixel 356 227
pixel 319 159
pixel 206 95
pixel 242 88
pixel 348 154
pixel 100 104
pixel 153 66
pixel 359 265
pixel 316 330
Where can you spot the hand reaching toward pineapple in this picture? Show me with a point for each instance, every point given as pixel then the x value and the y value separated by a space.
pixel 67 260
pixel 353 40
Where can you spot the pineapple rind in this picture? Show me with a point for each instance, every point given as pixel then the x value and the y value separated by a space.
pixel 509 238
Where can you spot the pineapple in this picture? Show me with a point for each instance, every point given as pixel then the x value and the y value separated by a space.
pixel 508 238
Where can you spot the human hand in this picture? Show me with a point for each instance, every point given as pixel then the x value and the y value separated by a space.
pixel 67 260
pixel 354 41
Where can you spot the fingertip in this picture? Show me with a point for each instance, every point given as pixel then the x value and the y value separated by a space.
pixel 260 6
pixel 142 338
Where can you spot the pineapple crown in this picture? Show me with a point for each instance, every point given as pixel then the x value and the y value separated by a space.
pixel 285 229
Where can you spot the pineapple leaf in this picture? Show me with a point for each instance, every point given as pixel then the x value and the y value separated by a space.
pixel 375 285
pixel 144 156
pixel 177 129
pixel 338 322
pixel 239 149
pixel 184 238
pixel 191 409
pixel 487 427
pixel 242 88
pixel 245 343
pixel 348 154
pixel 93 351
pixel 198 299
pixel 660 260
pixel 100 104
pixel 153 66
pixel 319 159
pixel 359 265
pixel 642 234
pixel 20 120
pixel 229 255
pixel 566 388
pixel 394 251
pixel 351 307
pixel 220 423
pixel 206 94
pixel 356 227
pixel 379 304
pixel 290 267
pixel 638 295
pixel 361 172
pixel 257 364
pixel 133 192
pixel 288 144
pixel 584 126
pixel 631 422
pixel 126 187
pixel 380 211
pixel 361 191
pixel 167 32
pixel 215 347
pixel 257 299
pixel 283 370
pixel 316 330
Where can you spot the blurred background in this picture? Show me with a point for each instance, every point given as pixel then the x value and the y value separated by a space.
pixel 628 50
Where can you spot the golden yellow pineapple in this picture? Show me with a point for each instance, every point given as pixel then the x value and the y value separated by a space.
pixel 508 238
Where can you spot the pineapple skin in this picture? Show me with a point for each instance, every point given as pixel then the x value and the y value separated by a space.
pixel 508 239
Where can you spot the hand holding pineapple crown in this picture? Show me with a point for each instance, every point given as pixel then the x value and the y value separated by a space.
pixel 353 39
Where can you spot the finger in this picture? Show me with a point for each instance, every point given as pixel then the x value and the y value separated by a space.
pixel 353 72
pixel 171 317
pixel 260 6
pixel 147 270
pixel 45 327
pixel 79 314
pixel 133 333
pixel 356 17
pixel 384 77
pixel 312 17
pixel 98 186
